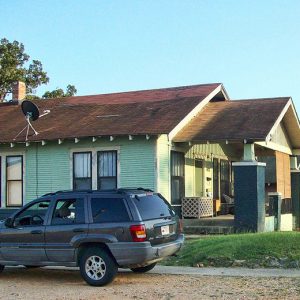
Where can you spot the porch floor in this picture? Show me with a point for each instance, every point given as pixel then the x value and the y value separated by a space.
pixel 223 224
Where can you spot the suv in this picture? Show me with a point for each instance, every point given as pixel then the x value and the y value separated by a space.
pixel 99 231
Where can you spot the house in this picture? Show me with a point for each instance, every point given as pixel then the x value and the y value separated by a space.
pixel 183 142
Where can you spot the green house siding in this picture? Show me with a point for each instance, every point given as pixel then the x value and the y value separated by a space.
pixel 205 152
pixel 48 168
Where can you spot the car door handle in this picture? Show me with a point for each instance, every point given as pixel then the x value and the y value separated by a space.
pixel 36 232
pixel 78 230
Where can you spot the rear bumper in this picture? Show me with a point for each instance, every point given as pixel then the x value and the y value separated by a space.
pixel 135 254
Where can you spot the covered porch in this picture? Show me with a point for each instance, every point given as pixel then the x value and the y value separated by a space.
pixel 207 152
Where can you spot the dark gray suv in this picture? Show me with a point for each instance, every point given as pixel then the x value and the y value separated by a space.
pixel 99 231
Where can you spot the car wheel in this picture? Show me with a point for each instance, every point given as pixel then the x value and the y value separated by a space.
pixel 97 267
pixel 1 268
pixel 143 269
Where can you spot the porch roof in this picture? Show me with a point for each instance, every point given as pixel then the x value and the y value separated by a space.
pixel 235 121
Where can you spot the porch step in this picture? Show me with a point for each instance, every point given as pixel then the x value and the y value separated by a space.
pixel 208 229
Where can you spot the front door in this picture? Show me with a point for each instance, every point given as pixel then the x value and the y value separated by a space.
pixel 68 222
pixel 25 241
pixel 199 178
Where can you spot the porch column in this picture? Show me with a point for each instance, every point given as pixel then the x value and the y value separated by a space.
pixel 295 184
pixel 249 193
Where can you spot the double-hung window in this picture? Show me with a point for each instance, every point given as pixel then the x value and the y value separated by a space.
pixel 82 170
pixel 14 180
pixel 107 170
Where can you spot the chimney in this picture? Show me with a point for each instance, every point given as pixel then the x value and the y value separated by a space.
pixel 18 90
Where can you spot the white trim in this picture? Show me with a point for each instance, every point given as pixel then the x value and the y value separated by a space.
pixel 94 151
pixel 248 163
pixel 295 171
pixel 274 194
pixel 3 156
pixel 279 119
pixel 195 111
pixel 276 147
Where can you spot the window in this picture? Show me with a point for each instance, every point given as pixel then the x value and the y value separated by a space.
pixel 224 177
pixel 107 170
pixel 33 215
pixel 177 177
pixel 14 180
pixel 82 171
pixel 216 178
pixel 153 207
pixel 68 211
pixel 109 210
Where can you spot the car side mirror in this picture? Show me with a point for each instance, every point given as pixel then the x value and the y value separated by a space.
pixel 9 222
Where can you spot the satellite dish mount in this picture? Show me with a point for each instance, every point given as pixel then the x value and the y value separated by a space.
pixel 31 113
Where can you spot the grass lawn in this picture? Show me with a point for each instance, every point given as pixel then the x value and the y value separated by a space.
pixel 259 249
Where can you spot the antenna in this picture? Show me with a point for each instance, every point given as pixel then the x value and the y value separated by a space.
pixel 31 113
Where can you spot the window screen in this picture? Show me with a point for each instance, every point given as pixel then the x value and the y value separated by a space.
pixel 14 180
pixel 109 210
pixel 107 170
pixel 82 172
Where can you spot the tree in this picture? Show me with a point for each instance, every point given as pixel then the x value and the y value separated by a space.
pixel 15 66
pixel 59 93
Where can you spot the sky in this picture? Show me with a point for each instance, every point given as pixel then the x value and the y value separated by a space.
pixel 252 47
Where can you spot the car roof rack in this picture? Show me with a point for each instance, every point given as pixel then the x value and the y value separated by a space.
pixel 119 191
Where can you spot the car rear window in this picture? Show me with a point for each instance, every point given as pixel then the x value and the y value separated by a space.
pixel 109 210
pixel 153 207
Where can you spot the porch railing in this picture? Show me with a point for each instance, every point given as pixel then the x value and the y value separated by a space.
pixel 197 207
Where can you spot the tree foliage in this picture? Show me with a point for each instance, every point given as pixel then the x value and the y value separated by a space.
pixel 59 93
pixel 15 66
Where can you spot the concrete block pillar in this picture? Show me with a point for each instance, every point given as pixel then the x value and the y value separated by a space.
pixel 276 198
pixel 249 196
pixel 295 186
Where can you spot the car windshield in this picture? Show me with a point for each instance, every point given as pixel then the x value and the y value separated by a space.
pixel 153 207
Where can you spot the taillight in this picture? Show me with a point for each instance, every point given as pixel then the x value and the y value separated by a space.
pixel 138 233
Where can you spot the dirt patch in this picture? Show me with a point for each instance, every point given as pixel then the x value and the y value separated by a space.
pixel 19 283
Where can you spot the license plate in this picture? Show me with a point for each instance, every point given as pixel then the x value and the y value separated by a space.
pixel 165 230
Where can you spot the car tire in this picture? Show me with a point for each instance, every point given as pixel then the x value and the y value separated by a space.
pixel 143 269
pixel 97 267
pixel 1 268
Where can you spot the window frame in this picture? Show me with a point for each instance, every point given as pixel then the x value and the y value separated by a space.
pixel 73 169
pixel 67 198
pixel 106 177
pixel 22 181
pixel 30 205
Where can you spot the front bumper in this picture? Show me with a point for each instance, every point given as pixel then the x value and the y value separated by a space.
pixel 136 254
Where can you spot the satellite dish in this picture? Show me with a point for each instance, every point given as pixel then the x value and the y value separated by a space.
pixel 32 113
pixel 30 110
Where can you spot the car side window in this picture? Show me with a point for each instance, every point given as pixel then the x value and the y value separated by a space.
pixel 68 211
pixel 109 210
pixel 33 215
